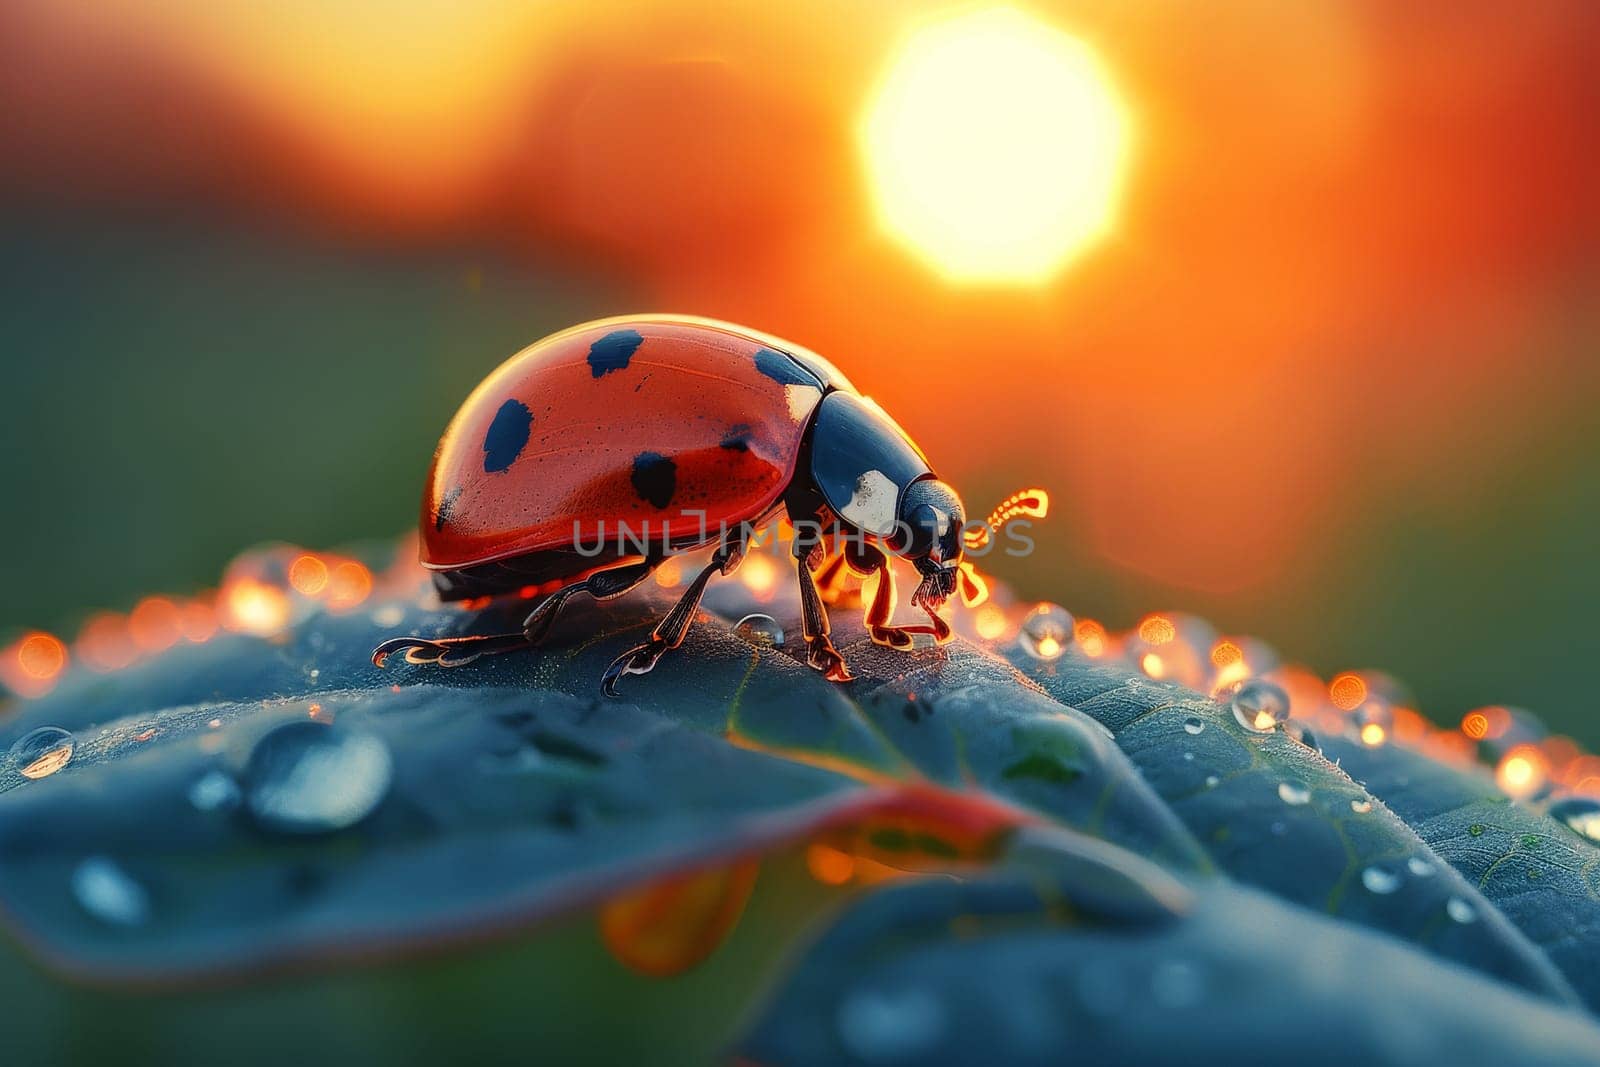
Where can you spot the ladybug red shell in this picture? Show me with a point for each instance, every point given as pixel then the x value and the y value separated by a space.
pixel 588 458
pixel 667 423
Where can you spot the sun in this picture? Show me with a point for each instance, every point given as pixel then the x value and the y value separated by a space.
pixel 995 146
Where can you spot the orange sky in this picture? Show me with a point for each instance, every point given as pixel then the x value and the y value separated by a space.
pixel 1346 232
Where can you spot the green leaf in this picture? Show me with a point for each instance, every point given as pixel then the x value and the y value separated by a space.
pixel 1542 875
pixel 1242 977
pixel 1073 801
pixel 1235 791
pixel 493 762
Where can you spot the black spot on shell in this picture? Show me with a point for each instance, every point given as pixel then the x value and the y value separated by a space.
pixel 507 436
pixel 783 369
pixel 447 504
pixel 655 478
pixel 613 351
pixel 737 439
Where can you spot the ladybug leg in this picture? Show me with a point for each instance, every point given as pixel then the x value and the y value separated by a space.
pixel 602 585
pixel 870 559
pixel 674 627
pixel 820 652
pixel 459 651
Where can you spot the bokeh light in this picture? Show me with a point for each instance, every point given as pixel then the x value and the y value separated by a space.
pixel 156 623
pixel 1091 637
pixel 41 655
pixel 31 665
pixel 254 607
pixel 349 585
pixel 1523 772
pixel 308 574
pixel 1347 691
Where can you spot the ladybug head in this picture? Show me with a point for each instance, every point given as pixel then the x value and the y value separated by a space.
pixel 929 534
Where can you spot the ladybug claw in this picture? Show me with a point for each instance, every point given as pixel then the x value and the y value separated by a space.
pixel 824 657
pixel 409 645
pixel 448 651
pixel 639 660
pixel 896 637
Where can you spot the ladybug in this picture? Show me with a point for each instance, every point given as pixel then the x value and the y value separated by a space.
pixel 588 458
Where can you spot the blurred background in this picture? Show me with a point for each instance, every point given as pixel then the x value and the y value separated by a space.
pixel 1291 306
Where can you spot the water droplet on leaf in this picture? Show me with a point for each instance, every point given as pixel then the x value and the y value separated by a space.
pixel 1046 632
pixel 1419 867
pixel 1580 814
pixel 1260 706
pixel 1211 781
pixel 214 791
pixel 42 752
pixel 1374 721
pixel 760 630
pixel 308 778
pixel 106 891
pixel 1361 807
pixel 1380 880
pixel 1460 910
pixel 1194 724
pixel 1293 793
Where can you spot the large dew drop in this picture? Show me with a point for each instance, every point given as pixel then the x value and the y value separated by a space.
pixel 311 778
pixel 1380 880
pixel 42 752
pixel 1580 814
pixel 109 893
pixel 1046 631
pixel 1260 706
pixel 760 630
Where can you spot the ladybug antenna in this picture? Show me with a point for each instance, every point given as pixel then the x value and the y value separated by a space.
pixel 1029 503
